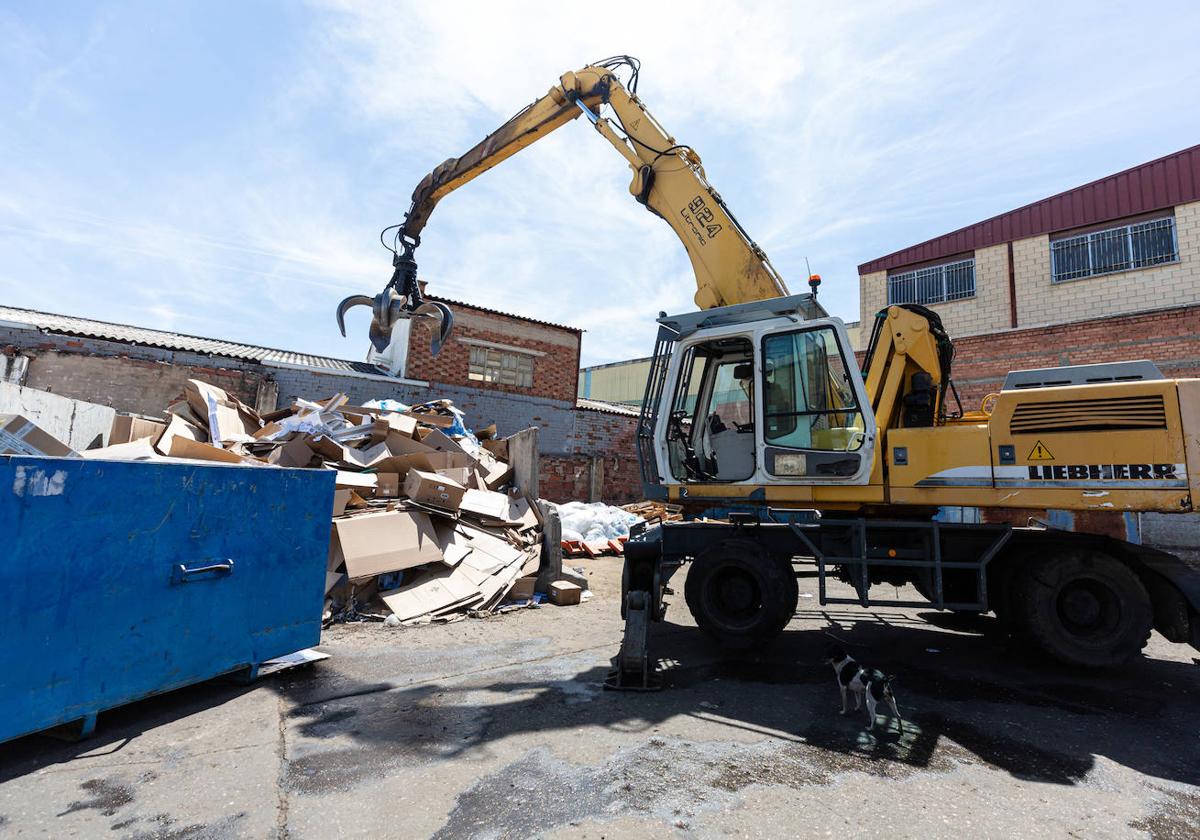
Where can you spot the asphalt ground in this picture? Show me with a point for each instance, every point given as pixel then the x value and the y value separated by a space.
pixel 500 728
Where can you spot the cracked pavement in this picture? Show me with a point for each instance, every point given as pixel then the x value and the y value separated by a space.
pixel 500 728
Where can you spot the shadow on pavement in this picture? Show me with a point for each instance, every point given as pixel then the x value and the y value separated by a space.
pixel 966 699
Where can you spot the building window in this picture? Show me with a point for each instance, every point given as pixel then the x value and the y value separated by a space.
pixel 1123 248
pixel 488 365
pixel 936 284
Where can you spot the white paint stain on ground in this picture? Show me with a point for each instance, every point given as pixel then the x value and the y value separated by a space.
pixel 35 482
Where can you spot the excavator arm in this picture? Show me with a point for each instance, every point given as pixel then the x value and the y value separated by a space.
pixel 668 179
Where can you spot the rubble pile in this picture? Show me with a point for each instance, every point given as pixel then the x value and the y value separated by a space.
pixel 426 523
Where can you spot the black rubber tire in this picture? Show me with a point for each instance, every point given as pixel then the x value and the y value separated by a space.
pixel 1083 608
pixel 740 595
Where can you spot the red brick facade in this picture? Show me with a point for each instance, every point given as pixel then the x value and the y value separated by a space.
pixel 1170 338
pixel 554 352
pixel 609 438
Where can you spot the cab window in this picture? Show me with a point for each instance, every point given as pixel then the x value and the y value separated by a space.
pixel 808 398
pixel 710 433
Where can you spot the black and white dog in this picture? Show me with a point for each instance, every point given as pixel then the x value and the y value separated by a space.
pixel 863 683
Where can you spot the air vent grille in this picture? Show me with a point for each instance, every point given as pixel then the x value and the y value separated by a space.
pixel 1108 414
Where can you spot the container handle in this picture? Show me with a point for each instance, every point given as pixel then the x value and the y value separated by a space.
pixel 185 574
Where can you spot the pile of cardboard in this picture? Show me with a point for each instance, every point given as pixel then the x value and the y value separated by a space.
pixel 426 524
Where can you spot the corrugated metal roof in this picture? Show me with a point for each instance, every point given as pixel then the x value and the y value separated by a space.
pixel 477 308
pixel 87 328
pixel 1157 185
pixel 611 408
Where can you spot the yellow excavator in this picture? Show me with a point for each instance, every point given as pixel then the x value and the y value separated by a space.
pixel 839 471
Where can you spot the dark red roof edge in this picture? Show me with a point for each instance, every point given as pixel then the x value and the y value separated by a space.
pixel 1158 184
pixel 464 305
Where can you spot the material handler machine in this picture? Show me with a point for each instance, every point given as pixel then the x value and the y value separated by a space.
pixel 758 401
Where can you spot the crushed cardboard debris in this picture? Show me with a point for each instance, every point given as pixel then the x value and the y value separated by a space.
pixel 425 523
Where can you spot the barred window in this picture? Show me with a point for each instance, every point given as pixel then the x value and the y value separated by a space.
pixel 488 365
pixel 938 283
pixel 1123 248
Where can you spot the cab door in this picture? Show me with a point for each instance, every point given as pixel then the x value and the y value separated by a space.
pixel 817 426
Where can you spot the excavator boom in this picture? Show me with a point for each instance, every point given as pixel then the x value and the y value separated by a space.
pixel 668 179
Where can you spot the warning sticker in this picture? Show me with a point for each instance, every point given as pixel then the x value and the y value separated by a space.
pixel 1039 453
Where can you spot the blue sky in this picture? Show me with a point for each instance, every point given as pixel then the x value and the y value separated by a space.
pixel 223 169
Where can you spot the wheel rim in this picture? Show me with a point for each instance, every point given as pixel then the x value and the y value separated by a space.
pixel 733 597
pixel 1089 609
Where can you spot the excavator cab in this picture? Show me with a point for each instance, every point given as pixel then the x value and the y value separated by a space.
pixel 761 394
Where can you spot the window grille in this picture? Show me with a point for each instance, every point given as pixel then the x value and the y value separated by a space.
pixel 936 284
pixel 488 365
pixel 1123 248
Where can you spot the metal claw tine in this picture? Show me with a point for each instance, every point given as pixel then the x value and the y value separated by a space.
pixel 348 303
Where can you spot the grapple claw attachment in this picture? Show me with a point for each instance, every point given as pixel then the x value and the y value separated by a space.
pixel 440 320
pixel 401 299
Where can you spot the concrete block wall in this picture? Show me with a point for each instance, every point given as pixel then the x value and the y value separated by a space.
pixel 129 378
pixel 80 425
pixel 1040 301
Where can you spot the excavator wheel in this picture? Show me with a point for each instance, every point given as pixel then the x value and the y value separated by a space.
pixel 1083 608
pixel 741 595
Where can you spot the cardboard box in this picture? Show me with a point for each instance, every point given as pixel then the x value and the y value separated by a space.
pixel 328 449
pixel 432 489
pixel 229 419
pixel 401 423
pixel 341 498
pixel 134 450
pixel 126 428
pixel 522 589
pixel 499 448
pixel 361 483
pixel 178 427
pixel 437 590
pixel 494 473
pixel 387 485
pixel 294 453
pixel 399 443
pixel 485 504
pixel 460 475
pixel 564 593
pixel 439 440
pixel 181 447
pixel 376 543
pixel 19 436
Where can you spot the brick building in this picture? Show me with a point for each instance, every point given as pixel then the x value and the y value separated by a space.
pixel 499 352
pixel 1104 272
pixel 497 368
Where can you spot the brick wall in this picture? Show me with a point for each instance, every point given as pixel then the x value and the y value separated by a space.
pixel 1170 338
pixel 603 446
pixel 134 380
pixel 143 380
pixel 554 350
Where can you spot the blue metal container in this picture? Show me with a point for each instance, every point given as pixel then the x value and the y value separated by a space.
pixel 119 580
